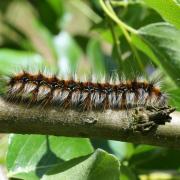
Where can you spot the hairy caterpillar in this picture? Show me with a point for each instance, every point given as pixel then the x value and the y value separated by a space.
pixel 83 95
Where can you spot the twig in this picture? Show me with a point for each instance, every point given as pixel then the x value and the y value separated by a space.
pixel 110 124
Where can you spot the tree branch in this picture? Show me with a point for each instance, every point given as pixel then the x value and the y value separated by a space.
pixel 116 125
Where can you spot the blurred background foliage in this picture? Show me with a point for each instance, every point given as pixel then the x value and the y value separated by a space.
pixel 132 38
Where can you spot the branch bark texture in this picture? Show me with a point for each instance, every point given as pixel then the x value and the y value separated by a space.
pixel 115 125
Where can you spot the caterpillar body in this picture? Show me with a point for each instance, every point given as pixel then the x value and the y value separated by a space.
pixel 83 95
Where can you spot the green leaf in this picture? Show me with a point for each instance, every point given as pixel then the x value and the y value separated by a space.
pixel 104 31
pixel 149 157
pixel 3 147
pixel 122 150
pixel 57 6
pixel 52 19
pixel 174 98
pixel 126 173
pixel 160 41
pixel 68 51
pixel 95 57
pixel 30 156
pixel 141 15
pixel 28 23
pixel 143 154
pixel 129 63
pixel 100 165
pixel 10 60
pixel 168 9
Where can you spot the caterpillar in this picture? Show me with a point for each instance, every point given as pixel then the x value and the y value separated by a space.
pixel 40 89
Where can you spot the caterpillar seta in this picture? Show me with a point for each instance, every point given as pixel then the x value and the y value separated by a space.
pixel 115 93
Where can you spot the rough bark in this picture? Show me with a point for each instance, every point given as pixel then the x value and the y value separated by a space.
pixel 116 125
